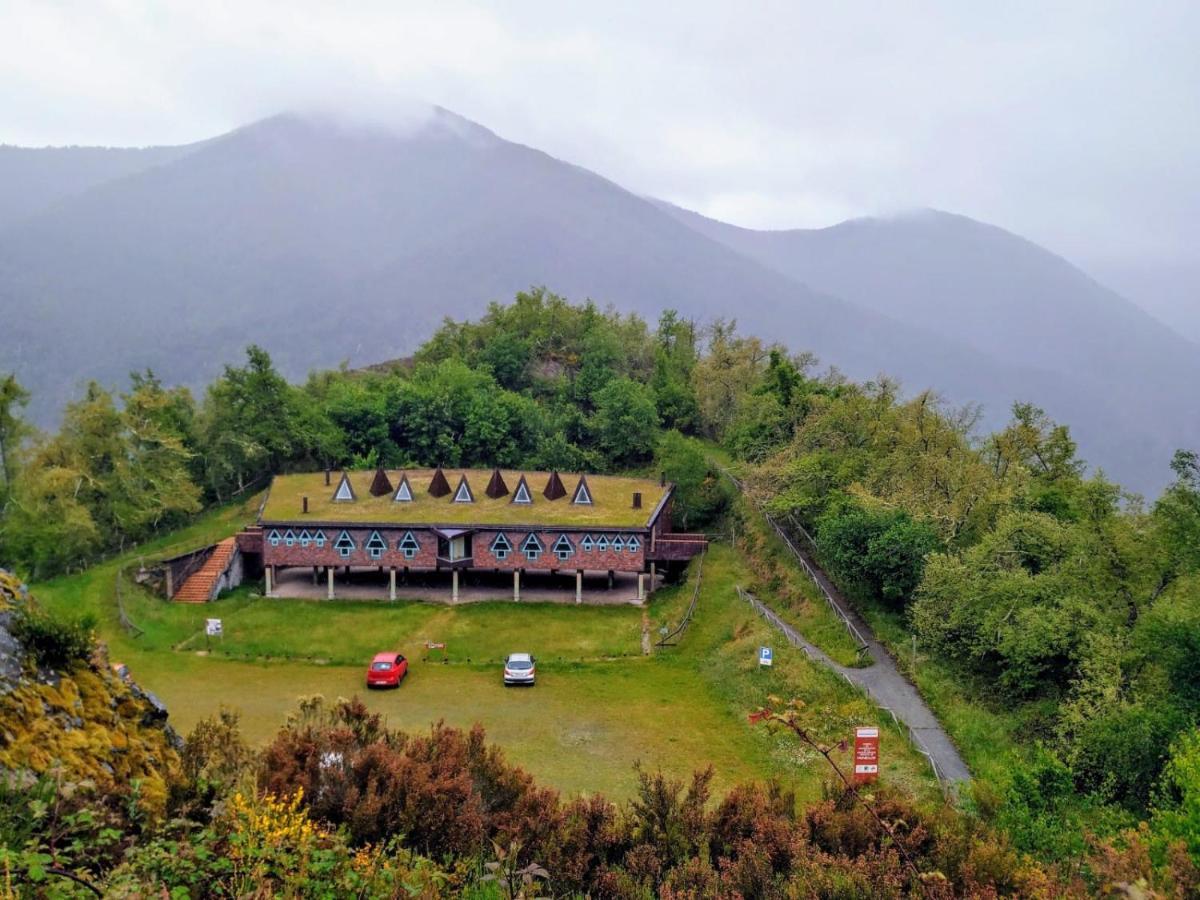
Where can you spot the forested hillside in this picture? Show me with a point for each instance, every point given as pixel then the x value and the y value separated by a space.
pixel 1051 602
pixel 325 240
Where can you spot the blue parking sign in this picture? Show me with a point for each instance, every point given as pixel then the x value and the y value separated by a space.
pixel 765 657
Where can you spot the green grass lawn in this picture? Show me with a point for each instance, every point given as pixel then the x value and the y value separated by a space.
pixel 599 707
pixel 347 632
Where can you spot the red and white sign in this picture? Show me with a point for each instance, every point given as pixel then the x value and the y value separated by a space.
pixel 866 755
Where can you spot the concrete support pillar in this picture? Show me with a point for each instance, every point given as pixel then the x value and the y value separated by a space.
pixel 641 586
pixel 268 574
pixel 392 583
pixel 315 574
pixel 516 585
pixel 653 572
pixel 454 585
pixel 404 576
pixel 612 579
pixel 329 577
pixel 170 585
pixel 579 586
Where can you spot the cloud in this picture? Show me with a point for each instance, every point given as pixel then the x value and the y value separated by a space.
pixel 1073 123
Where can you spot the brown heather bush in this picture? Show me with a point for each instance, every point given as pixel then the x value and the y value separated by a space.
pixel 448 794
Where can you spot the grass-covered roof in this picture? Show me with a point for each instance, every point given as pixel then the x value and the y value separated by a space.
pixel 612 500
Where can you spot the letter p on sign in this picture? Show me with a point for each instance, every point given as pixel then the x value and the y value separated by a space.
pixel 866 755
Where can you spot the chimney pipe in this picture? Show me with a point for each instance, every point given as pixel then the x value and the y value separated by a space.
pixel 305 500
pixel 637 499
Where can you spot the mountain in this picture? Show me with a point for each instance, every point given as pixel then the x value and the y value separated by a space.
pixel 981 286
pixel 1168 290
pixel 327 241
pixel 32 180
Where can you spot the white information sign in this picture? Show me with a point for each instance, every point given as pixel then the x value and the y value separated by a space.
pixel 212 627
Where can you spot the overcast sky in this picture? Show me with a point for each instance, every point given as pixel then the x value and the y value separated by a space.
pixel 1075 124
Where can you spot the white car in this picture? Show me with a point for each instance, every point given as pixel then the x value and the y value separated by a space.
pixel 519 668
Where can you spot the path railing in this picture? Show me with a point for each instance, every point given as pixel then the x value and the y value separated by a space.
pixel 843 616
pixel 671 639
pixel 816 579
pixel 122 616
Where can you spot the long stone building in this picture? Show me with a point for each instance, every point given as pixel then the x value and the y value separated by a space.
pixel 430 520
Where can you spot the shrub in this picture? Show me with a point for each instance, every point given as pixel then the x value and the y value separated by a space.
pixel 1120 754
pixel 54 642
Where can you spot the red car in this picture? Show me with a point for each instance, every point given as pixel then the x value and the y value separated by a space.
pixel 387 670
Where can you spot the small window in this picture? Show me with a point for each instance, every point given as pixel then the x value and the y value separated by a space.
pixel 305 538
pixel 602 543
pixel 531 547
pixel 273 538
pixel 587 544
pixel 345 545
pixel 408 545
pixel 521 494
pixel 376 545
pixel 319 538
pixel 501 546
pixel 289 538
pixel 563 548
pixel 618 544
pixel 633 545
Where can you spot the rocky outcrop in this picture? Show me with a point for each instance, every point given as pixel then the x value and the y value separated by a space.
pixel 88 724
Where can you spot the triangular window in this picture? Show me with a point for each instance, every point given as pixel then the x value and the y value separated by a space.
pixel 563 548
pixel 344 492
pixel 521 494
pixel 345 545
pixel 618 544
pixel 634 545
pixel 587 544
pixel 376 545
pixel 319 538
pixel 408 545
pixel 305 538
pixel 501 546
pixel 583 493
pixel 404 491
pixel 531 547
pixel 289 538
pixel 463 493
pixel 602 543
pixel 274 538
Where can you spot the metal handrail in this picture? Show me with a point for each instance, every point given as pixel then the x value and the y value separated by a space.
pixel 671 639
pixel 123 617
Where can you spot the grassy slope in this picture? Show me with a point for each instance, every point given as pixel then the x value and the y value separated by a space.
pixel 582 728
pixel 783 585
